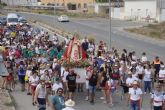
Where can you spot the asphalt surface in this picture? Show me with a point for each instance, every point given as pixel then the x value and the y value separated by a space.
pixel 24 102
pixel 100 29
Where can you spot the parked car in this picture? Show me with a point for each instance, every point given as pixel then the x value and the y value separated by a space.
pixel 12 19
pixel 63 18
pixel 3 21
pixel 22 21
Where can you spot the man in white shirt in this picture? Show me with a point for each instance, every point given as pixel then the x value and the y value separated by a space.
pixel 158 98
pixel 162 75
pixel 144 58
pixel 129 82
pixel 135 97
pixel 140 71
pixel 57 85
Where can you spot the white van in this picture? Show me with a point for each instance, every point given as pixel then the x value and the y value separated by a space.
pixel 12 19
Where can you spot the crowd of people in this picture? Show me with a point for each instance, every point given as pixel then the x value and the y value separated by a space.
pixel 35 59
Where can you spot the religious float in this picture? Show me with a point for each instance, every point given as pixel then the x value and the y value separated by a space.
pixel 75 57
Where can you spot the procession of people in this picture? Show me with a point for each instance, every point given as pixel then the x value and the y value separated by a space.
pixel 36 60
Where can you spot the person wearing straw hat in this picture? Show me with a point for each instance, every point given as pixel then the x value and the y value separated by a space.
pixel 69 105
pixel 135 97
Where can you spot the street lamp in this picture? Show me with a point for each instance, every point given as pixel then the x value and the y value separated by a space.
pixel 110 30
pixel 12 3
pixel 54 12
pixel 131 13
pixel 161 9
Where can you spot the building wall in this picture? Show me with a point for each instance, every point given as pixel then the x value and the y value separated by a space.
pixel 79 3
pixel 140 9
pixel 20 2
pixel 162 17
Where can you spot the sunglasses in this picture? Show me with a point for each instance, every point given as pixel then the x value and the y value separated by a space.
pixel 135 92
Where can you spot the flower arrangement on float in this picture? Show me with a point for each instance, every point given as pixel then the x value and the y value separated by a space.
pixel 76 64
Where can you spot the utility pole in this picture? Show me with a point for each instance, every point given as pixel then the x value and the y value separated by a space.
pixel 12 3
pixel 54 12
pixel 110 28
pixel 64 4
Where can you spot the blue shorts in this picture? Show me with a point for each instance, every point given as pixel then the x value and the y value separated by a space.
pixel 22 79
pixel 92 89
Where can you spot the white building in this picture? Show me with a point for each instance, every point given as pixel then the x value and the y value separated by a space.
pixel 144 9
pixel 117 7
pixel 153 10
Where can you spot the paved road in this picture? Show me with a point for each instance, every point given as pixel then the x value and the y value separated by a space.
pixel 100 29
pixel 24 102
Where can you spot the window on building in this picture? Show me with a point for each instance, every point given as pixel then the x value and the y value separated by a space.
pixel 85 5
pixel 71 6
pixel 79 5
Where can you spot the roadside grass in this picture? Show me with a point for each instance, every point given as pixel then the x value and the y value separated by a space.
pixel 58 12
pixel 152 30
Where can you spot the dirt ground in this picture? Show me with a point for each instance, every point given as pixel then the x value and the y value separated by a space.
pixel 5 100
pixel 152 30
